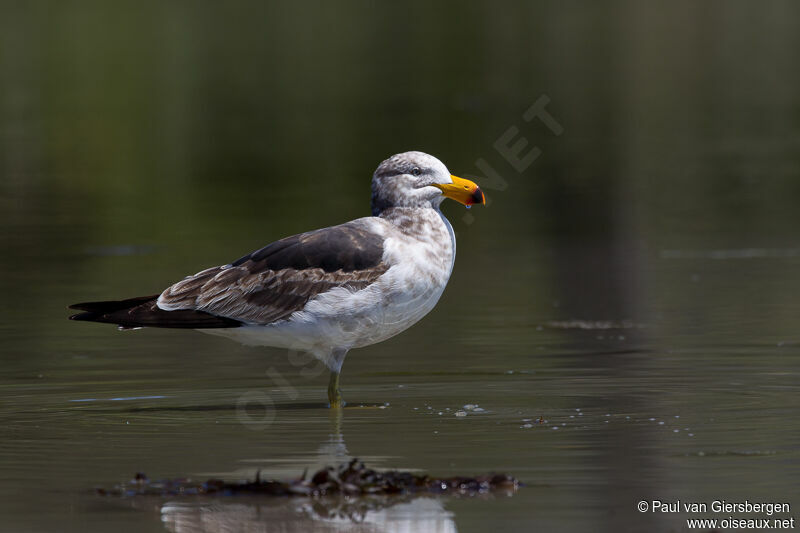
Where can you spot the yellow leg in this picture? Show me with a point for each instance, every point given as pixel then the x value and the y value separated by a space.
pixel 334 394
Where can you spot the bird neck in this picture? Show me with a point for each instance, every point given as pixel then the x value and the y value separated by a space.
pixel 413 221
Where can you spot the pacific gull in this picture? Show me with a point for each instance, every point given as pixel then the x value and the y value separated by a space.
pixel 325 291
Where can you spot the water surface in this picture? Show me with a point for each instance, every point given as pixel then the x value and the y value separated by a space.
pixel 634 288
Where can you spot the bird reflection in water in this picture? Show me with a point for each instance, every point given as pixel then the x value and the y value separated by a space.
pixel 373 513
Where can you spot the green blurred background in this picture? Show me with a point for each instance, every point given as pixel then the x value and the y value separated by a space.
pixel 221 128
pixel 143 141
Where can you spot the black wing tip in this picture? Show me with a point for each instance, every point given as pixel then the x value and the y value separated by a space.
pixel 108 306
pixel 84 306
pixel 141 312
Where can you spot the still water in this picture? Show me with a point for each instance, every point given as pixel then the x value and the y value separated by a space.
pixel 634 286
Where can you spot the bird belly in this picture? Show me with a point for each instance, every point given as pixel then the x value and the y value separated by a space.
pixel 342 318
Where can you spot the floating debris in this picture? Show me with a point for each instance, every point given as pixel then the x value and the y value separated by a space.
pixel 349 479
pixel 740 253
pixel 118 399
pixel 733 453
pixel 593 324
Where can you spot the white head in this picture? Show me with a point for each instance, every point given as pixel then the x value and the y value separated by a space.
pixel 417 179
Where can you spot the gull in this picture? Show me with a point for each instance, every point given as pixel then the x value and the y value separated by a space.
pixel 325 291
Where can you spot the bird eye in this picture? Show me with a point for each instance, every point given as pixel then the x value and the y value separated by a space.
pixel 416 171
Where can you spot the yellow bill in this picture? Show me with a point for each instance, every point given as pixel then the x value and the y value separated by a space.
pixel 462 191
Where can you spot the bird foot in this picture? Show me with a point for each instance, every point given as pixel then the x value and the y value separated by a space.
pixel 336 403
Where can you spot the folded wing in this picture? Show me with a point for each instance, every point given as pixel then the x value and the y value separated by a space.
pixel 278 280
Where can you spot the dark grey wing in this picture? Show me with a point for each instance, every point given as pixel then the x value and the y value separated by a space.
pixel 272 283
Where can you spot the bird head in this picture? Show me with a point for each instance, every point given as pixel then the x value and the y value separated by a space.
pixel 416 179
